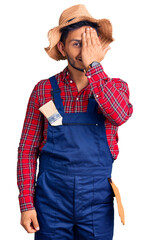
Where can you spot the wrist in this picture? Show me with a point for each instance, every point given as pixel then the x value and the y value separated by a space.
pixel 92 64
pixel 87 64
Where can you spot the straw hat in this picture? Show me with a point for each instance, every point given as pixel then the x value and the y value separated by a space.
pixel 72 15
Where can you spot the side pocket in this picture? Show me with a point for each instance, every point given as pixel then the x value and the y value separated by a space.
pixel 102 208
pixel 109 180
pixel 39 177
pixel 45 202
pixel 118 199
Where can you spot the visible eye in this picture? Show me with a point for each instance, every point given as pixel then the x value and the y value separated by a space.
pixel 77 44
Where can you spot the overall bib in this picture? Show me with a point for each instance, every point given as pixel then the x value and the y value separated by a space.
pixel 73 196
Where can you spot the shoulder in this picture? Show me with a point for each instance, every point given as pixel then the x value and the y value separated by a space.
pixel 42 84
pixel 45 83
pixel 42 89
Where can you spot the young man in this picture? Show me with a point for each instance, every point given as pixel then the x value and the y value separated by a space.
pixel 73 195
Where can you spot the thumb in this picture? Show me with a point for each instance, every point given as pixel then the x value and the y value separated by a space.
pixel 35 223
pixel 106 49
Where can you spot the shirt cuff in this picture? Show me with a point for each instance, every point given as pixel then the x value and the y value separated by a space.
pixel 96 73
pixel 99 81
pixel 26 203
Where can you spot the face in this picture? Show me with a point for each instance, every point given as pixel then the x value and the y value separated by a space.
pixel 72 48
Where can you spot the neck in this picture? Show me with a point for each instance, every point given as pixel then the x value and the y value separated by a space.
pixel 77 75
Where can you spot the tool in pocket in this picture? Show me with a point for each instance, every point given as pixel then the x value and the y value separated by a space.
pixel 118 199
pixel 50 111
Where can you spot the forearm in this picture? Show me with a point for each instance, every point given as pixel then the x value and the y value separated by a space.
pixel 112 95
pixel 30 140
pixel 26 173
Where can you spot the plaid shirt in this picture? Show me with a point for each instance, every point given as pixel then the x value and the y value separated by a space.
pixel 112 95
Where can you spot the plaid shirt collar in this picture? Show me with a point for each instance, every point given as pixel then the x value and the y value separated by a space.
pixel 66 77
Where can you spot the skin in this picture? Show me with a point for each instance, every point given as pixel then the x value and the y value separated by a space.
pixel 88 47
pixel 29 221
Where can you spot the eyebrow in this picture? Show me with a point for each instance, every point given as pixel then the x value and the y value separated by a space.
pixel 75 40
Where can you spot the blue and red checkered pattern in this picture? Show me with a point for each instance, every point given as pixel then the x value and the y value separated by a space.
pixel 112 95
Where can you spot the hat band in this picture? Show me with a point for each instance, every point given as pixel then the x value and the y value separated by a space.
pixel 70 19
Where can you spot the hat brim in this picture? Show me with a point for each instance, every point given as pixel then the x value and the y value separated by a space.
pixel 54 35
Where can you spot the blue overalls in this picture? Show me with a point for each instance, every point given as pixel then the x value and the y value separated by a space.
pixel 73 197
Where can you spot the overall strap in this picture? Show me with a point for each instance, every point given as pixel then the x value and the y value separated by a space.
pixel 56 93
pixel 92 105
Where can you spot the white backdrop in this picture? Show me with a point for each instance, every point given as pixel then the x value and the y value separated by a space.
pixel 24 62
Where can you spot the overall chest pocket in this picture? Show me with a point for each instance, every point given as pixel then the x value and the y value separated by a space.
pixel 78 140
pixel 74 134
pixel 61 135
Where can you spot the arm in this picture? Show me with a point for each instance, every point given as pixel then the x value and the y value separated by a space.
pixel 112 95
pixel 28 152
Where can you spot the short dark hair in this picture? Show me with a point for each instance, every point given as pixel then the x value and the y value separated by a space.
pixel 67 29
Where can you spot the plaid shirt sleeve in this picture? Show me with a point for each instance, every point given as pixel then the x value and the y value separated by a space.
pixel 28 152
pixel 112 95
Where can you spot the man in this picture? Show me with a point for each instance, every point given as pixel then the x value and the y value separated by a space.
pixel 73 195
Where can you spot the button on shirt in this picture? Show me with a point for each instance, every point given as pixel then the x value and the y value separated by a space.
pixel 112 96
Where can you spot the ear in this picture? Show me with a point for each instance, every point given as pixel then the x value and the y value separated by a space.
pixel 61 48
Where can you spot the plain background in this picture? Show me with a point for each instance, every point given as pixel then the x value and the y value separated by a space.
pixel 24 62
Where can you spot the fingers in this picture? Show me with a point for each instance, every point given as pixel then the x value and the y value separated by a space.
pixel 88 37
pixel 106 49
pixel 84 44
pixel 29 221
pixel 93 37
pixel 92 46
pixel 29 226
pixel 35 223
